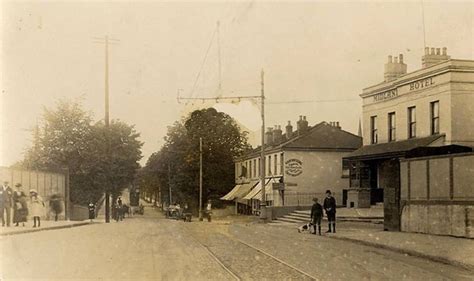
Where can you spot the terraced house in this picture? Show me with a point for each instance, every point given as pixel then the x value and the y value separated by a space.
pixel 300 165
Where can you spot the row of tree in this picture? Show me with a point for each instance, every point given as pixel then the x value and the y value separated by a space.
pixel 97 158
pixel 176 165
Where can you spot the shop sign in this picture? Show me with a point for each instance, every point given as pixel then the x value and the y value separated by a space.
pixel 278 186
pixel 293 167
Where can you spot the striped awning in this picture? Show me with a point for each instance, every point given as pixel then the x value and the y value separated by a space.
pixel 256 190
pixel 231 195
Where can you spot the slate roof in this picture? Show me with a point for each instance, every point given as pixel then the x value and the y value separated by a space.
pixel 321 136
pixel 391 149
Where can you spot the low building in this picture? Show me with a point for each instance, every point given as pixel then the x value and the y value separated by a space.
pixel 299 165
pixel 406 114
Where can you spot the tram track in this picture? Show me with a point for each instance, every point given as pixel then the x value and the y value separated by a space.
pixel 229 267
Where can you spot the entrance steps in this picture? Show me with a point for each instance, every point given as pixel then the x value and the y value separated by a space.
pixel 368 215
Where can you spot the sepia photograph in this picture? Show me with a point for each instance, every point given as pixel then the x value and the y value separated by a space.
pixel 236 140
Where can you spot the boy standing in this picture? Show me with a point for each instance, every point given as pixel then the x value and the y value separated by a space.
pixel 330 207
pixel 316 215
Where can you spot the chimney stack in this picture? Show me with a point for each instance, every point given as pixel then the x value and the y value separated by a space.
pixel 289 131
pixel 277 134
pixel 303 125
pixel 394 68
pixel 269 136
pixel 434 56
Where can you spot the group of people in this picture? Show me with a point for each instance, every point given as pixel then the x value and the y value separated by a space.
pixel 15 199
pixel 317 213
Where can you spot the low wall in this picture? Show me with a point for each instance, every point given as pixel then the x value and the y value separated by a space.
pixel 454 220
pixel 79 213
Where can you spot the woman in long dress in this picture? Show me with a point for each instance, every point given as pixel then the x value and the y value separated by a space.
pixel 36 206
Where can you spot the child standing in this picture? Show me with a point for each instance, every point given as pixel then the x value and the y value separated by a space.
pixel 316 215
pixel 36 206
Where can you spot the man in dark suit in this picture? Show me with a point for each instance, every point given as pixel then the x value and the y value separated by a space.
pixel 330 208
pixel 6 203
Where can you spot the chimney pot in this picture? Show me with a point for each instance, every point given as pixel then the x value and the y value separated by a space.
pixel 395 59
pixel 401 58
pixel 432 51
pixel 438 51
pixel 389 59
pixel 427 50
pixel 445 51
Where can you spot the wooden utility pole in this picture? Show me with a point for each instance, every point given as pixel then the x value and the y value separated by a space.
pixel 200 179
pixel 106 41
pixel 263 202
pixel 169 183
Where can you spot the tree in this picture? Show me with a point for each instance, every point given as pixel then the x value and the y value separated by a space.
pixel 96 158
pixel 223 140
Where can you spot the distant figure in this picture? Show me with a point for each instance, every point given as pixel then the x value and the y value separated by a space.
pixel 209 210
pixel 330 208
pixel 119 209
pixel 6 202
pixel 36 206
pixel 91 208
pixel 316 215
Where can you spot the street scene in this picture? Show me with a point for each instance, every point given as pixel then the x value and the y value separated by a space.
pixel 237 140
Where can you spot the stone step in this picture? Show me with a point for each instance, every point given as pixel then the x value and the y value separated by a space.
pixel 290 220
pixel 300 216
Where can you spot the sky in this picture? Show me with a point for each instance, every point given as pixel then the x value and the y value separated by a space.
pixel 317 57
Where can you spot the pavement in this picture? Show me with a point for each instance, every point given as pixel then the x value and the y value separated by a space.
pixel 45 225
pixel 445 249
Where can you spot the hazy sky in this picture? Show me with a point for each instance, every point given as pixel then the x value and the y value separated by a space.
pixel 310 51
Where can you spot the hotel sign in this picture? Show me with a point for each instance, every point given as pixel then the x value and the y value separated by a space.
pixel 386 95
pixel 293 167
pixel 420 84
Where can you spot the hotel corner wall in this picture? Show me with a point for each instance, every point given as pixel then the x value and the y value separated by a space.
pixel 437 195
pixel 46 183
pixel 319 171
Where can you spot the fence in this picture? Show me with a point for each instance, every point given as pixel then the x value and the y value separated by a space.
pixel 46 183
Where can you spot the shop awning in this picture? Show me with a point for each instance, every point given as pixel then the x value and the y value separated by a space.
pixel 239 191
pixel 255 193
pixel 230 196
pixel 393 149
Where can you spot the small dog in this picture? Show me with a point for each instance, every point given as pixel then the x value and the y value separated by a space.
pixel 305 227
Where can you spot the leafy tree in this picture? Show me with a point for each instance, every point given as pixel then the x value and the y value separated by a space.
pixel 96 158
pixel 222 141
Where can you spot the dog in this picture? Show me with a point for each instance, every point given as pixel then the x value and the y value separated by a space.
pixel 305 227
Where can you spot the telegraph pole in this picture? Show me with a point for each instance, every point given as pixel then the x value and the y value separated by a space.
pixel 106 41
pixel 263 201
pixel 169 183
pixel 200 179
pixel 219 57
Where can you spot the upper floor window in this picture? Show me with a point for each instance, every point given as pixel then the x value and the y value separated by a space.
pixel 373 130
pixel 259 167
pixel 269 165
pixel 275 165
pixel 411 122
pixel 281 164
pixel 391 127
pixel 254 167
pixel 250 169
pixel 434 111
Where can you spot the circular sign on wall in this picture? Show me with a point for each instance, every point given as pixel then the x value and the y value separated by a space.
pixel 293 167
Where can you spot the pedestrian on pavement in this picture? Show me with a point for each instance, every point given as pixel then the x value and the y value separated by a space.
pixel 36 206
pixel 209 210
pixel 16 203
pixel 119 208
pixel 6 202
pixel 91 208
pixel 316 215
pixel 22 213
pixel 330 208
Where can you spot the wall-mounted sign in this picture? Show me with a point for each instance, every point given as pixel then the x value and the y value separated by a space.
pixel 386 95
pixel 293 167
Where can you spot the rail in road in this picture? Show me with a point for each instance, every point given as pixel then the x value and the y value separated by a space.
pixel 295 272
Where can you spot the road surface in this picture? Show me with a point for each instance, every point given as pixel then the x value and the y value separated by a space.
pixel 153 248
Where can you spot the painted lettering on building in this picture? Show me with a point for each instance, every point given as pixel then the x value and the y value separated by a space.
pixel 386 95
pixel 420 84
pixel 293 167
